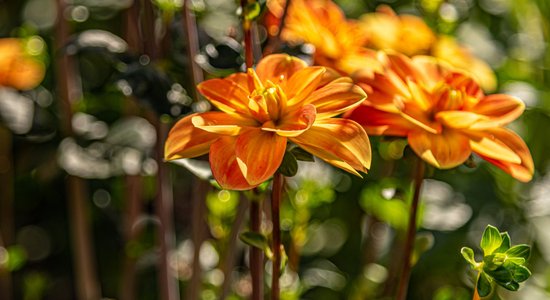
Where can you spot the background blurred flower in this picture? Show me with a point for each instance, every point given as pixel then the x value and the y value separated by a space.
pixel 261 110
pixel 444 115
pixel 18 68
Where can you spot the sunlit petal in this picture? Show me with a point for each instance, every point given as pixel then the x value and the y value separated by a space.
pixel 337 141
pixel 225 168
pixel 294 123
pixel 259 154
pixel 226 95
pixel 336 97
pixel 379 122
pixel 444 151
pixel 278 68
pixel 459 119
pixel 522 171
pixel 222 123
pixel 487 144
pixel 187 141
pixel 500 109
pixel 302 83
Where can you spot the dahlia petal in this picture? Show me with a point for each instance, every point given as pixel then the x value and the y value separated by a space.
pixel 340 142
pixel 336 97
pixel 488 145
pixel 225 94
pixel 500 109
pixel 222 123
pixel 459 119
pixel 444 151
pixel 225 168
pixel 522 171
pixel 187 141
pixel 294 123
pixel 377 122
pixel 278 68
pixel 259 154
pixel 302 83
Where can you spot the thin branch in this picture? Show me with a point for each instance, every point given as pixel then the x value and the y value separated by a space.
pixel 276 197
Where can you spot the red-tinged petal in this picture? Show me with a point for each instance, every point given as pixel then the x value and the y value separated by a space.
pixel 225 168
pixel 187 141
pixel 241 79
pixel 302 83
pixel 522 171
pixel 444 151
pixel 222 123
pixel 419 117
pixel 419 96
pixel 294 123
pixel 226 95
pixel 336 97
pixel 459 119
pixel 259 154
pixel 431 71
pixel 337 141
pixel 500 109
pixel 278 68
pixel 377 122
pixel 487 144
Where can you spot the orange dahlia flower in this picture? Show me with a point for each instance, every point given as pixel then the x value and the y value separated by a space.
pixel 444 115
pixel 17 68
pixel 260 111
pixel 338 41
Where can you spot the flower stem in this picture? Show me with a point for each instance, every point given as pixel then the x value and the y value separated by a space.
pixel 247 32
pixel 256 255
pixel 276 197
pixel 411 231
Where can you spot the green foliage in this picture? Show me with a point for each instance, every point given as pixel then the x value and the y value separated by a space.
pixel 502 263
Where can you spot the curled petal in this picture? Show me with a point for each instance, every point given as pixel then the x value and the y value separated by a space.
pixel 522 171
pixel 259 154
pixel 340 142
pixel 222 123
pixel 444 151
pixel 278 68
pixel 336 97
pixel 187 141
pixel 488 145
pixel 225 168
pixel 377 122
pixel 500 110
pixel 227 95
pixel 294 123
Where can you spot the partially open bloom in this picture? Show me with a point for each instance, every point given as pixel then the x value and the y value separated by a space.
pixel 410 35
pixel 18 69
pixel 444 115
pixel 339 42
pixel 260 111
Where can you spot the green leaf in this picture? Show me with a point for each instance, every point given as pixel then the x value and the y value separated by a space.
pixel 289 166
pixel 501 275
pixel 490 240
pixel 392 150
pixel 505 245
pixel 302 154
pixel 17 256
pixel 519 273
pixel 424 241
pixel 284 259
pixel 493 261
pixel 522 251
pixel 468 255
pixel 483 285
pixel 252 11
pixel 511 286
pixel 257 240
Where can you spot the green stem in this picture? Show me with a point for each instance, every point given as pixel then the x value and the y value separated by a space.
pixel 276 197
pixel 411 231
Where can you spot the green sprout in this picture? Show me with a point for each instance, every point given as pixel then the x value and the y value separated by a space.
pixel 501 264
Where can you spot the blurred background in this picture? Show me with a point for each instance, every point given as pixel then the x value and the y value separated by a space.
pixel 89 210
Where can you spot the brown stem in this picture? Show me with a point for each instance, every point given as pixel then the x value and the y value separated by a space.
pixel 68 90
pixel 275 42
pixel 6 207
pixel 256 254
pixel 200 191
pixel 231 247
pixel 411 231
pixel 192 46
pixel 248 43
pixel 276 197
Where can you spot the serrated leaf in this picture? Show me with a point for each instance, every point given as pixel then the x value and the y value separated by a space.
pixel 254 239
pixel 289 166
pixel 468 255
pixel 522 251
pixel 302 154
pixel 483 285
pixel 491 240
pixel 505 245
